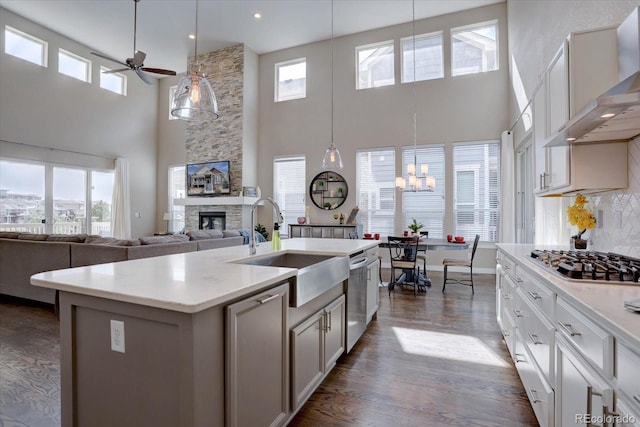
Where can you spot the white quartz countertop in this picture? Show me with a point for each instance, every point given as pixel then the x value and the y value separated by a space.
pixel 190 282
pixel 603 302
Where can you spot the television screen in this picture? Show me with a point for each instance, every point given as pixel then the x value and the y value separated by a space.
pixel 208 179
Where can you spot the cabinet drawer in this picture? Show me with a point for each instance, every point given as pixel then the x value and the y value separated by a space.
pixel 539 392
pixel 627 416
pixel 538 336
pixel 541 296
pixel 628 372
pixel 508 330
pixel 508 294
pixel 507 265
pixel 592 341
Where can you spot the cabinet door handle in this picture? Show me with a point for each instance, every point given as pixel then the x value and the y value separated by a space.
pixel 534 339
pixel 268 298
pixel 534 395
pixel 519 280
pixel 590 394
pixel 567 327
pixel 506 267
pixel 329 316
pixel 517 313
pixel 506 333
pixel 518 356
pixel 534 295
pixel 507 297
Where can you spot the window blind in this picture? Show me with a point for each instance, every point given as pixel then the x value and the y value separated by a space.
pixel 375 190
pixel 289 175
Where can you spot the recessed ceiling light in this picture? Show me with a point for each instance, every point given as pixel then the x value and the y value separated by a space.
pixel 607 116
pixel 257 15
pixel 192 36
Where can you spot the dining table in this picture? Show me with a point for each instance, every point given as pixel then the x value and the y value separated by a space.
pixel 426 244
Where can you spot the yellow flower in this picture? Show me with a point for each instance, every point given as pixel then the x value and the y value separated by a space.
pixel 580 216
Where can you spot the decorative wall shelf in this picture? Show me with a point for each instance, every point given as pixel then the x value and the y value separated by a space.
pixel 216 201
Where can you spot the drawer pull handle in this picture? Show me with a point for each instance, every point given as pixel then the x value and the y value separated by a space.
pixel 636 397
pixel 534 295
pixel 534 395
pixel 517 313
pixel 518 360
pixel 506 267
pixel 519 280
pixel 567 327
pixel 268 298
pixel 506 333
pixel 507 297
pixel 534 339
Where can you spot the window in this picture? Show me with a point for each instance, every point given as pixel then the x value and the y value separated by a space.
pixel 375 190
pixel 474 48
pixel 177 182
pixel 74 66
pixel 291 80
pixel 289 177
pixel 71 209
pixel 114 82
pixel 428 57
pixel 427 207
pixel 476 185
pixel 375 66
pixel 24 46
pixel 172 94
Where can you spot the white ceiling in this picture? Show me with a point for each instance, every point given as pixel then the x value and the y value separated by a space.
pixel 164 25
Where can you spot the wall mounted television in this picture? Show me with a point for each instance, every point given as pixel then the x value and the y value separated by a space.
pixel 208 179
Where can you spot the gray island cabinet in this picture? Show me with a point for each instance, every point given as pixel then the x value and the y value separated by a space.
pixel 194 339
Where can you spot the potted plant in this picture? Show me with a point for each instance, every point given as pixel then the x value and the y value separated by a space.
pixel 339 191
pixel 327 205
pixel 260 229
pixel 415 226
pixel 581 217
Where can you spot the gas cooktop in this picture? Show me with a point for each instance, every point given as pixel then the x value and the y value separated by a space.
pixel 590 265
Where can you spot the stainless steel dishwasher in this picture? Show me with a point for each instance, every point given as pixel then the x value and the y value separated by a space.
pixel 356 297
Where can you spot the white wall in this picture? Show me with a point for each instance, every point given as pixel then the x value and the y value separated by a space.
pixel 532 50
pixel 40 107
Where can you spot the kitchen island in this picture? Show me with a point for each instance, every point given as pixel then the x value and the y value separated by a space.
pixel 575 346
pixel 194 339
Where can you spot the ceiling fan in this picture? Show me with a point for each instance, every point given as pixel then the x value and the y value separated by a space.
pixel 136 62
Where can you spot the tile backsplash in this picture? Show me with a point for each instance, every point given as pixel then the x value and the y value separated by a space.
pixel 620 222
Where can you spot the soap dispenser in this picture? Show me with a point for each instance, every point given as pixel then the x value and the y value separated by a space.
pixel 275 239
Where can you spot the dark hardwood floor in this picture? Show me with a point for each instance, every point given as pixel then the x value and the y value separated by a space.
pixel 438 359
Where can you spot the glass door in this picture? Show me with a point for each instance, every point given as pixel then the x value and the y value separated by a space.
pixel 22 197
pixel 69 201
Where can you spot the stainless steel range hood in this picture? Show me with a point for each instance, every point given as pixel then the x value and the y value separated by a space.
pixel 613 116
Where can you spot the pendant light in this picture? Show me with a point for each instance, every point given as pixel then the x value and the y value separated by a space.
pixel 332 158
pixel 194 98
pixel 415 180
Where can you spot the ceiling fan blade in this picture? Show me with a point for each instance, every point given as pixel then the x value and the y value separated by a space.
pixel 143 76
pixel 138 58
pixel 119 70
pixel 159 71
pixel 103 56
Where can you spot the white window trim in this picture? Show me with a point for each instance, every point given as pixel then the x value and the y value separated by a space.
pixel 371 46
pixel 44 44
pixel 276 80
pixel 463 28
pixel 87 77
pixel 419 36
pixel 172 93
pixel 124 81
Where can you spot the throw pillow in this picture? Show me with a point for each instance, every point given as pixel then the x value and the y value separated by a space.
pixel 71 238
pixel 231 233
pixel 9 234
pixel 204 234
pixel 35 237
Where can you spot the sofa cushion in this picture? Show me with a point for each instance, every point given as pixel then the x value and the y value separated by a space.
pixel 71 238
pixel 99 240
pixel 33 236
pixel 230 233
pixel 204 234
pixel 159 240
pixel 9 234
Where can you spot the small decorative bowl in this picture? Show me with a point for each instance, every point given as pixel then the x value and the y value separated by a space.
pixel 302 220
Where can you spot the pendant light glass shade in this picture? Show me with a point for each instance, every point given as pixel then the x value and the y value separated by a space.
pixel 194 98
pixel 332 158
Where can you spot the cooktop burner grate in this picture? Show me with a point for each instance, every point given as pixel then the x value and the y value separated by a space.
pixel 590 265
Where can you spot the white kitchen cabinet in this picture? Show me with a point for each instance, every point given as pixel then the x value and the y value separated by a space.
pixel 583 68
pixel 316 344
pixel 373 289
pixel 580 392
pixel 628 376
pixel 625 415
pixel 257 359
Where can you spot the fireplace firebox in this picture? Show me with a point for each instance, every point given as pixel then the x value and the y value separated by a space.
pixel 212 220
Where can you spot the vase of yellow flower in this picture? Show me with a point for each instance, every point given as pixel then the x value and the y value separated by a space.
pixel 582 218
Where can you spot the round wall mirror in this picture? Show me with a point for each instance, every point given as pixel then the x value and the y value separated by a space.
pixel 328 190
